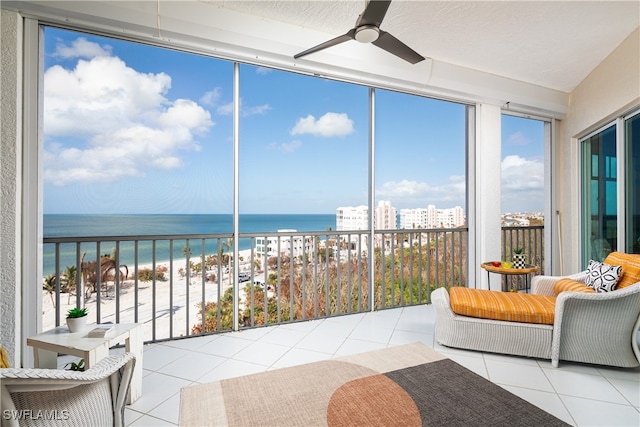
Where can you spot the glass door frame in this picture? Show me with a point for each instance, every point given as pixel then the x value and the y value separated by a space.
pixel 584 216
pixel 627 233
pixel 621 181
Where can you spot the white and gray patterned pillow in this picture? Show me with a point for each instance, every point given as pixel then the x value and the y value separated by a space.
pixel 603 277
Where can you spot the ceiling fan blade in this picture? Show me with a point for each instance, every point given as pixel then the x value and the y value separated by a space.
pixel 392 45
pixel 374 13
pixel 350 35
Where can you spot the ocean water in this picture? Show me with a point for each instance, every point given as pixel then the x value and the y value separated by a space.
pixel 140 225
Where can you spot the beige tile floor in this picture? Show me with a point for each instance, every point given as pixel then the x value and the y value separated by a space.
pixel 581 395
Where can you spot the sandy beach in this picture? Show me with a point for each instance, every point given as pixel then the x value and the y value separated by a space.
pixel 167 308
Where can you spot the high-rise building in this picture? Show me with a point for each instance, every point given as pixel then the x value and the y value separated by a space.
pixel 293 246
pixel 357 217
pixel 352 218
pixel 432 217
pixel 385 216
pixel 451 218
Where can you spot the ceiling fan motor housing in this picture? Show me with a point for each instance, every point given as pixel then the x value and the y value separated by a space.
pixel 367 33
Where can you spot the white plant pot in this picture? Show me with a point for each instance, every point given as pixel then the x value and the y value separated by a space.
pixel 519 260
pixel 77 324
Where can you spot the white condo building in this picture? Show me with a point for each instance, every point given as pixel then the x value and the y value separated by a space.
pixel 293 246
pixel 385 216
pixel 357 217
pixel 352 218
pixel 432 217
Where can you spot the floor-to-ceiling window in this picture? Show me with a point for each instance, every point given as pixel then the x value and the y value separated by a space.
pixel 599 194
pixel 523 186
pixel 137 141
pixel 420 189
pixel 140 140
pixel 522 169
pixel 610 183
pixel 632 141
pixel 303 155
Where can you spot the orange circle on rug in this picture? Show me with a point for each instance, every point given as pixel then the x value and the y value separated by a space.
pixel 373 401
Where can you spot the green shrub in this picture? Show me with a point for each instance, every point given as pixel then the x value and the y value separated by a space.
pixel 146 274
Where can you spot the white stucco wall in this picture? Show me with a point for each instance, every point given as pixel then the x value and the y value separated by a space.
pixel 9 194
pixel 609 91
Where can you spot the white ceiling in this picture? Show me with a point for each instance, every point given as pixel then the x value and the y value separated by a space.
pixel 554 44
pixel 523 55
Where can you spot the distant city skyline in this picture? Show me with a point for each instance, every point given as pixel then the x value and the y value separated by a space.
pixel 132 128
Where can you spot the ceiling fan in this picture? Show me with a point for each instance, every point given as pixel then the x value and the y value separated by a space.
pixel 367 30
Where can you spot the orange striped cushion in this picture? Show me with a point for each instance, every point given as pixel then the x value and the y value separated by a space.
pixel 510 306
pixel 630 267
pixel 571 285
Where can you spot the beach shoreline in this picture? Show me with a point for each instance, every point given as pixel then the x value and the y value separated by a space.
pixel 167 309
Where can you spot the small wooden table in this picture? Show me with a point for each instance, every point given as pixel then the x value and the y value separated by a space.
pixel 526 271
pixel 47 345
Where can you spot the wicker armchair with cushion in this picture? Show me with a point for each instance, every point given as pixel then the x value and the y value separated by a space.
pixel 67 398
pixel 560 320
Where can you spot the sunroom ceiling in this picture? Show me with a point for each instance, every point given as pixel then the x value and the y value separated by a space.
pixel 553 44
pixel 525 55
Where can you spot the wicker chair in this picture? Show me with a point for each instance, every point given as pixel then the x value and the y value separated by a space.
pixel 53 397
pixel 599 328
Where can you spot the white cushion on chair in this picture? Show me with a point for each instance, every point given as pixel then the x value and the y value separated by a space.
pixel 603 277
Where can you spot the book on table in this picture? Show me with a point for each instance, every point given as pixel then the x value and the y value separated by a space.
pixel 101 330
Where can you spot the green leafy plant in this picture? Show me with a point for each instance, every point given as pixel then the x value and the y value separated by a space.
pixel 146 274
pixel 517 250
pixel 76 312
pixel 73 366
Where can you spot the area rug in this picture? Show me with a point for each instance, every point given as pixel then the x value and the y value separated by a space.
pixel 409 385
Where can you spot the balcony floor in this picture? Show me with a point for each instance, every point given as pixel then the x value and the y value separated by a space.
pixel 576 393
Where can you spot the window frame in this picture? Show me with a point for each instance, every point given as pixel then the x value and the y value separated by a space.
pixel 618 124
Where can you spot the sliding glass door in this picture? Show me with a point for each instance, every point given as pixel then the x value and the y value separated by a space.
pixel 610 181
pixel 599 195
pixel 632 141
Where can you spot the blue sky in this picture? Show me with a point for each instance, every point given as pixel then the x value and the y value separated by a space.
pixel 130 128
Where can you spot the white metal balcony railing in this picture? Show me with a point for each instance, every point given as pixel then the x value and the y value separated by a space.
pixel 175 284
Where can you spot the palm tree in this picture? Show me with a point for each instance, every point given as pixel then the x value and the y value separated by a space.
pixel 228 244
pixel 68 279
pixel 49 285
pixel 186 251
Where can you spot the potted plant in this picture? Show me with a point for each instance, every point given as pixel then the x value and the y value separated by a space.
pixel 73 366
pixel 518 258
pixel 77 319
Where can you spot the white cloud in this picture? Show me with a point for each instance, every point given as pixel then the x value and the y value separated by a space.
pixel 252 111
pixel 331 124
pixel 81 48
pixel 522 184
pixel 185 114
pixel 289 147
pixel 413 194
pixel 404 188
pixel 519 173
pixel 212 97
pixel 227 109
pixel 522 188
pixel 263 70
pixel 517 138
pixel 105 121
